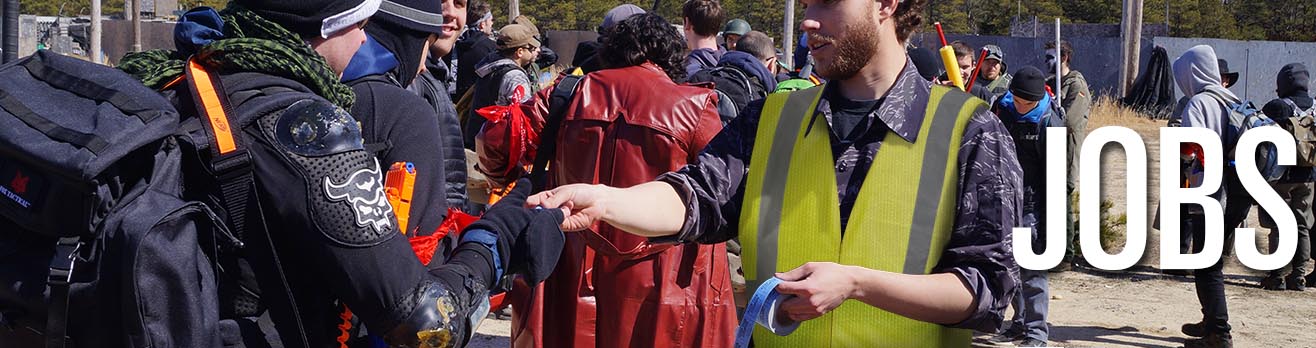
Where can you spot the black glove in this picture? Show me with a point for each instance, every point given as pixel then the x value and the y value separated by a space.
pixel 529 240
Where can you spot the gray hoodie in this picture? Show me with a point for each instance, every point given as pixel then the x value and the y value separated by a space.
pixel 1196 71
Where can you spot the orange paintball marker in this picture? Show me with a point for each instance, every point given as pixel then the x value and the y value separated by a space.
pixel 399 185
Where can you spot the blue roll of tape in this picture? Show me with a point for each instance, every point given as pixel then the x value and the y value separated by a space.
pixel 762 310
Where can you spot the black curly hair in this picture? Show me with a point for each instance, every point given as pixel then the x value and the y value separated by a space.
pixel 645 38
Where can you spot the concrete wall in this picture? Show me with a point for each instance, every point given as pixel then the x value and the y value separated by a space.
pixel 564 42
pixel 1097 58
pixel 117 37
pixel 1035 27
pixel 1256 61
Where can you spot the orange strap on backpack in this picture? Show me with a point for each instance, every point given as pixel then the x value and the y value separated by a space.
pixel 232 167
pixel 212 108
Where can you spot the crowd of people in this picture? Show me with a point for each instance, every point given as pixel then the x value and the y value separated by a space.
pixel 637 197
pixel 1205 82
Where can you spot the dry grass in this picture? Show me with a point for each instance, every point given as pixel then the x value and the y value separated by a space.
pixel 1107 111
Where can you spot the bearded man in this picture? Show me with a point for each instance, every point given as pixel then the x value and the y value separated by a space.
pixel 915 227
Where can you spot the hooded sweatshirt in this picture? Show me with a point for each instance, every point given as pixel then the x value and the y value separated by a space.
pixel 513 78
pixel 473 46
pixel 407 46
pixel 1291 84
pixel 1195 72
pixel 701 59
pixel 1030 143
pixel 404 126
pixel 751 66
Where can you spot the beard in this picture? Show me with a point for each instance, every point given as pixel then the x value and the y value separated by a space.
pixel 852 50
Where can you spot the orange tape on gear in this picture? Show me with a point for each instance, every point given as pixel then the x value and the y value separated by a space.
pixel 344 327
pixel 212 107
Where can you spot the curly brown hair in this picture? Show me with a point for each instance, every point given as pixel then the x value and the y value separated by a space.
pixel 909 16
pixel 645 38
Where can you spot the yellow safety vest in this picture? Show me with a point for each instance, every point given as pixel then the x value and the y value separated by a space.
pixel 900 222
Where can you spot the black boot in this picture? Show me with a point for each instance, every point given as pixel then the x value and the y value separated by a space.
pixel 1197 329
pixel 1178 272
pixel 1272 282
pixel 1212 340
pixel 1295 282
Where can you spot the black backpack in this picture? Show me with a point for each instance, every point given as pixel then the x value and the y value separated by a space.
pixel 735 89
pixel 98 245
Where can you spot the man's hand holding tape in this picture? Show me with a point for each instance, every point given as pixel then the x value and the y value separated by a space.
pixel 820 287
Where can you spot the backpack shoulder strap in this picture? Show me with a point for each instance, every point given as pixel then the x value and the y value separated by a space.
pixel 231 164
pixel 1241 106
pixel 1217 95
pixel 743 78
pixel 557 109
pixel 726 107
pixel 1297 111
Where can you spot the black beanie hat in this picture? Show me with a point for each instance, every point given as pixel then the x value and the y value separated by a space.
pixel 927 63
pixel 1292 80
pixel 313 18
pixel 418 15
pixel 1029 84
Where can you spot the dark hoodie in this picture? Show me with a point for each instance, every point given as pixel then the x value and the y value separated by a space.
pixel 701 59
pixel 1291 84
pixel 397 124
pixel 755 84
pixel 407 46
pixel 751 66
pixel 472 47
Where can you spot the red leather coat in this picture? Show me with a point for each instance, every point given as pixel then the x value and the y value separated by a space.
pixel 610 288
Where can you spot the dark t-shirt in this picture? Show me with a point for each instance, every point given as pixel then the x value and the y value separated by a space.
pixel 850 117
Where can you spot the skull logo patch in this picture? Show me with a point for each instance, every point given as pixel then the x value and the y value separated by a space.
pixel 364 190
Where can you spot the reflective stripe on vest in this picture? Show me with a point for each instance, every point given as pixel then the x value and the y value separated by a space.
pixel 900 222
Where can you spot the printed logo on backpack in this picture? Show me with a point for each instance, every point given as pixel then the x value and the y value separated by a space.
pixel 20 186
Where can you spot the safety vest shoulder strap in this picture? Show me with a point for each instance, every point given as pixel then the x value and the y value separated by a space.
pixel 779 126
pixel 926 173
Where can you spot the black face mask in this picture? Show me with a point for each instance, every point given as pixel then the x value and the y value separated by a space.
pixel 406 44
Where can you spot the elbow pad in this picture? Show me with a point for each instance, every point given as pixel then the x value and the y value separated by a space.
pixel 446 313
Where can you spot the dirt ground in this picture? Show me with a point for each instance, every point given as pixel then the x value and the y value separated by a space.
pixel 1139 307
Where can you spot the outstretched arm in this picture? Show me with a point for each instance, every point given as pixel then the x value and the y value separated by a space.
pixel 698 203
pixel 651 209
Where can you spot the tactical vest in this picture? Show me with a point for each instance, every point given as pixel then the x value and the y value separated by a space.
pixel 900 222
